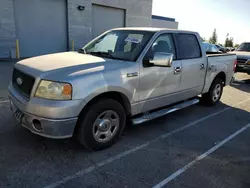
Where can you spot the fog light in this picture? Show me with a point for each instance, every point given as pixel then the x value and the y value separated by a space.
pixel 37 125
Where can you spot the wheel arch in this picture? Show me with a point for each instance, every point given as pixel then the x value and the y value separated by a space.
pixel 115 95
pixel 222 76
pixel 210 80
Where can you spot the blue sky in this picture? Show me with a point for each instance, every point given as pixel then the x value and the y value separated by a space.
pixel 227 16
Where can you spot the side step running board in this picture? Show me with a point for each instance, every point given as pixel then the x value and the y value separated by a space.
pixel 162 112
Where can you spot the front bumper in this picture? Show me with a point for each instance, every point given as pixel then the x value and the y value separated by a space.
pixel 50 128
pixel 52 119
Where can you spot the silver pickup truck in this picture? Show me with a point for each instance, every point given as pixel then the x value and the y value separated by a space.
pixel 124 76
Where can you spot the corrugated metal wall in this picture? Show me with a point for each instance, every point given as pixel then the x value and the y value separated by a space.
pixel 41 26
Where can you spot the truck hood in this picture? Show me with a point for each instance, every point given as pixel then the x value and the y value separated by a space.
pixel 60 65
pixel 242 55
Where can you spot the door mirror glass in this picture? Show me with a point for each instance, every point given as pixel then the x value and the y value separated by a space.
pixel 162 59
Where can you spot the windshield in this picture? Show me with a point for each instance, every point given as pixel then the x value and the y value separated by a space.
pixel 119 44
pixel 210 47
pixel 244 47
pixel 218 46
pixel 206 46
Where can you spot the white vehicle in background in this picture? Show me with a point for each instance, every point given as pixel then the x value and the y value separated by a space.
pixel 243 58
pixel 211 48
pixel 221 48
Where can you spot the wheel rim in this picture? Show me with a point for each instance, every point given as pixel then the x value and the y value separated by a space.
pixel 106 126
pixel 217 92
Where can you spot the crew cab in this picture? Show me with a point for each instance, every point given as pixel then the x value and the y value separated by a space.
pixel 125 75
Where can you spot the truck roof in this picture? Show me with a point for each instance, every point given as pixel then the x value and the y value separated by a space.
pixel 154 29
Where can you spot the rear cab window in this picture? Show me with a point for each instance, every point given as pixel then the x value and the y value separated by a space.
pixel 188 46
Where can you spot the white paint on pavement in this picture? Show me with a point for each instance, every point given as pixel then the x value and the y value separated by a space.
pixel 123 154
pixel 4 101
pixel 204 155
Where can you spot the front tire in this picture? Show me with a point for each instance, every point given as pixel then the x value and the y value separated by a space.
pixel 101 125
pixel 214 94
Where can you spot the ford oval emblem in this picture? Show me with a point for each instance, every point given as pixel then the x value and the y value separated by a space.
pixel 19 81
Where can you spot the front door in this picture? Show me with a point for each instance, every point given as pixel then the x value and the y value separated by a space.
pixel 158 85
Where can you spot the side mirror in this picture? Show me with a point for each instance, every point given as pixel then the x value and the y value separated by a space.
pixel 162 59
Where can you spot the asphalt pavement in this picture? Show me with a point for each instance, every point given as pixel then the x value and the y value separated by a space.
pixel 196 147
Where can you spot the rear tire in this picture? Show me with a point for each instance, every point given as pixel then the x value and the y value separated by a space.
pixel 214 94
pixel 101 124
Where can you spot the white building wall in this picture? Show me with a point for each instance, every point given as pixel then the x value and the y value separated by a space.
pixel 138 13
pixel 164 24
pixel 7 28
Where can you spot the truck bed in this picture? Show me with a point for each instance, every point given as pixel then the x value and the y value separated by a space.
pixel 219 63
pixel 214 54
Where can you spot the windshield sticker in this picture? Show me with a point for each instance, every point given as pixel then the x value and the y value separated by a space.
pixel 132 40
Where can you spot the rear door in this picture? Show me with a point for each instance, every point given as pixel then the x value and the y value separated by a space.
pixel 193 64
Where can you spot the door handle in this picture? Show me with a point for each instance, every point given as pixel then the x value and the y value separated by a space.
pixel 132 74
pixel 177 70
pixel 202 66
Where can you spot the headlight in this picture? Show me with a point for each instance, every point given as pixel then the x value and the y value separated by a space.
pixel 54 90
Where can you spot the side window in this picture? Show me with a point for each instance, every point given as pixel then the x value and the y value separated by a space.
pixel 164 43
pixel 188 46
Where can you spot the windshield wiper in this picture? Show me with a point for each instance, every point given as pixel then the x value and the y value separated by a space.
pixel 82 51
pixel 107 54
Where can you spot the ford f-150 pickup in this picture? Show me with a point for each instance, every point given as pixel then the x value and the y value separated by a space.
pixel 124 76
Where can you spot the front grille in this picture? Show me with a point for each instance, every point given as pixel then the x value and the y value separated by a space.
pixel 241 61
pixel 22 82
